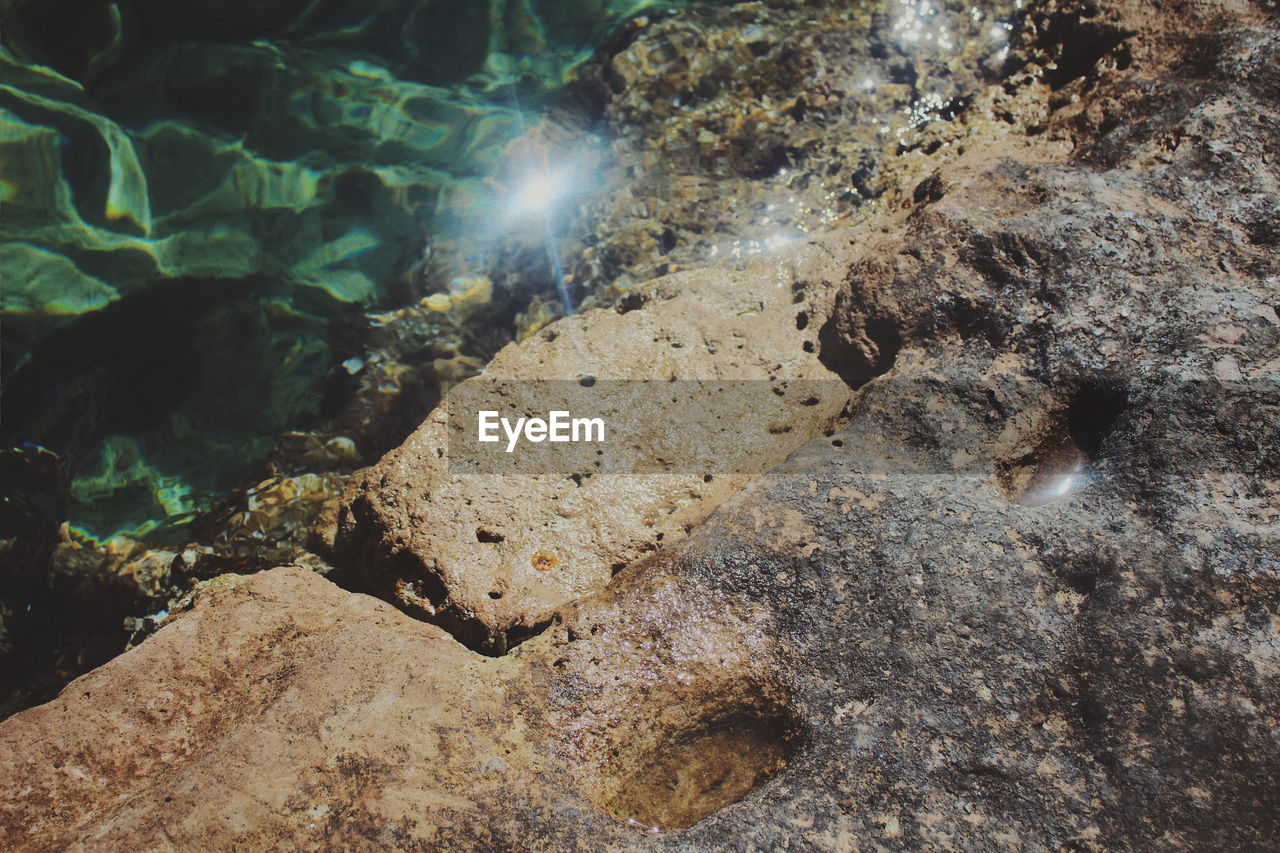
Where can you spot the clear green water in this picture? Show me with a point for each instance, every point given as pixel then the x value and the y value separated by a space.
pixel 235 227
pixel 277 167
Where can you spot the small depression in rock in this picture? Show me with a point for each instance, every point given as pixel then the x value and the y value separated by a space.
pixel 1063 461
pixel 1055 469
pixel 687 775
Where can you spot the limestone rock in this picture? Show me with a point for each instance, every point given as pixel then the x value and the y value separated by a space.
pixel 493 556
pixel 1025 600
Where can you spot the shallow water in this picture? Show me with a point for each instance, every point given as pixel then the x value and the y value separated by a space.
pixel 314 163
pixel 338 192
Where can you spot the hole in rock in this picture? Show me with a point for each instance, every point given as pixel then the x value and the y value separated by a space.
pixel 673 779
pixel 1062 461
pixel 419 597
pixel 631 302
pixel 1085 584
pixel 1092 414
pixel 858 348
pixel 483 535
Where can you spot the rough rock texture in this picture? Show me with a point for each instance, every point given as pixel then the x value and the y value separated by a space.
pixel 283 712
pixel 491 557
pixel 1028 599
pixel 337 180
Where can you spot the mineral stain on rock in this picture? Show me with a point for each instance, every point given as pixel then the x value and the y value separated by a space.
pixel 689 774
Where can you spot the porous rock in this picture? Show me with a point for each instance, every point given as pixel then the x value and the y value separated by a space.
pixel 1025 600
pixel 491 557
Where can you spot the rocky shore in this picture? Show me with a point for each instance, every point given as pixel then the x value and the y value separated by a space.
pixel 1016 587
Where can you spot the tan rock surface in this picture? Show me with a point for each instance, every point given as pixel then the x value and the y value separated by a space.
pixel 884 643
pixel 285 713
pixel 277 696
pixel 491 557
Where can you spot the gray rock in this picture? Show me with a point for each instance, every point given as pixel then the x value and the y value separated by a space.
pixel 1025 600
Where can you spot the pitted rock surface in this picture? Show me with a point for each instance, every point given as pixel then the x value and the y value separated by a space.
pixel 1027 599
pixel 465 551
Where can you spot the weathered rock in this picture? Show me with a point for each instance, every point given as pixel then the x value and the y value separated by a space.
pixel 1025 600
pixel 360 712
pixel 491 556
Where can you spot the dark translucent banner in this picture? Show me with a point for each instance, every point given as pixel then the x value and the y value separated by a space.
pixel 633 426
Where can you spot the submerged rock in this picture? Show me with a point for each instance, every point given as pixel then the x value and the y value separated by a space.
pixel 743 129
pixel 1025 599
